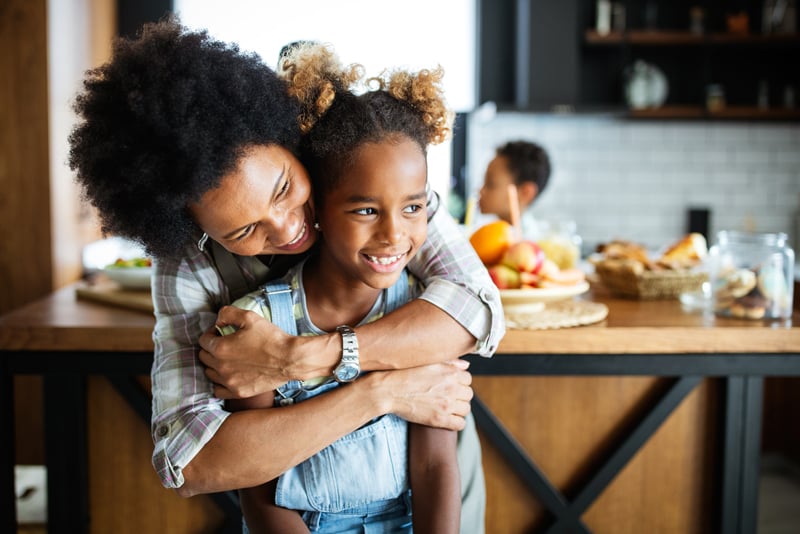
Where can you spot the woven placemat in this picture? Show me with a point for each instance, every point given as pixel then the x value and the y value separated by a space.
pixel 560 314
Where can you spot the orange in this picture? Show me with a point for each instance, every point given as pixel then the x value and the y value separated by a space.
pixel 492 240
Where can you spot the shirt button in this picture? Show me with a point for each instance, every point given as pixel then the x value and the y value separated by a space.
pixel 163 431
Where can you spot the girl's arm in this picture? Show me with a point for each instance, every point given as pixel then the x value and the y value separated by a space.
pixel 460 312
pixel 435 483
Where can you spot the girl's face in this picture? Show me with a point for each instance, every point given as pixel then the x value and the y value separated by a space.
pixel 261 207
pixel 375 219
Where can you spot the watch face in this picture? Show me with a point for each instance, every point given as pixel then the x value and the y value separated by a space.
pixel 346 373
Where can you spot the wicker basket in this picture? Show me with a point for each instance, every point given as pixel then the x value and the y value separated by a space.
pixel 650 285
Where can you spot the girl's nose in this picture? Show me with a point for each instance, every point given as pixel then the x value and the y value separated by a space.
pixel 392 229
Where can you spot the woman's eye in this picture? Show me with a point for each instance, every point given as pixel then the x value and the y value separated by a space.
pixel 284 189
pixel 243 235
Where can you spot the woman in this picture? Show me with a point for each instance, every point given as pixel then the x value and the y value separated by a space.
pixel 187 146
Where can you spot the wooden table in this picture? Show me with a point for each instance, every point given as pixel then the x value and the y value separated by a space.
pixel 64 339
pixel 662 339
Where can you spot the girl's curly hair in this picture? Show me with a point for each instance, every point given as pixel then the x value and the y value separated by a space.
pixel 336 119
pixel 163 121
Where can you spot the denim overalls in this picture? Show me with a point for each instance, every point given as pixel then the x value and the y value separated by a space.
pixel 363 476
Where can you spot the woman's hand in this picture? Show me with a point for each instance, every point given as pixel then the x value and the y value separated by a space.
pixel 436 395
pixel 255 359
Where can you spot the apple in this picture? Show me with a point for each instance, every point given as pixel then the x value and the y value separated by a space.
pixel 524 256
pixel 504 277
pixel 529 280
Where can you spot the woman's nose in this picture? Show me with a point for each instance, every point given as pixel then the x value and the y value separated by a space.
pixel 283 226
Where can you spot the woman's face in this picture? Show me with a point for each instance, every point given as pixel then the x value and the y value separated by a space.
pixel 261 207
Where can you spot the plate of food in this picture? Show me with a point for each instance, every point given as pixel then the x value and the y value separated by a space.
pixel 133 273
pixel 534 299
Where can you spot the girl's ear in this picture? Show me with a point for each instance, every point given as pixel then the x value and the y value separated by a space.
pixel 527 191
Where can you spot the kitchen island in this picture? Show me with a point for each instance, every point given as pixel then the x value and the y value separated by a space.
pixel 651 417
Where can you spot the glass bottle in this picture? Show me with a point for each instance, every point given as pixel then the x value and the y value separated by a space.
pixel 752 275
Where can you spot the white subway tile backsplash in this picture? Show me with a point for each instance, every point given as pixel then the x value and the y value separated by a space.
pixel 636 180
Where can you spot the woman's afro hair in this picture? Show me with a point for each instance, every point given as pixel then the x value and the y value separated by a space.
pixel 163 121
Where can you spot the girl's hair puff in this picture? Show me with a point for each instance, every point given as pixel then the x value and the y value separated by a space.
pixel 338 118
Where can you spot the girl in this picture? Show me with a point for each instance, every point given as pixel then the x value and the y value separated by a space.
pixel 367 157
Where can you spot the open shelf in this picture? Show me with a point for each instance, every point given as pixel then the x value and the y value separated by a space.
pixel 728 112
pixel 683 38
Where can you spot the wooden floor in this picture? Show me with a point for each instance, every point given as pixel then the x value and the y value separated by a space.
pixel 779 497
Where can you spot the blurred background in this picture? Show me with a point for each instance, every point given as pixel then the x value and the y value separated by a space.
pixel 705 138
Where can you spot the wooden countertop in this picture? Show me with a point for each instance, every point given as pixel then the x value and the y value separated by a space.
pixel 61 321
pixel 658 327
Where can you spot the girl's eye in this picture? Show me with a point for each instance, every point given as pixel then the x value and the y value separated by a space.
pixel 365 211
pixel 414 208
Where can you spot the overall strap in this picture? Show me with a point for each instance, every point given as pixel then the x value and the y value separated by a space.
pixel 281 306
pixel 397 294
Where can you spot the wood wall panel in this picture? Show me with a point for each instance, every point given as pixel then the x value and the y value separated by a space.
pixel 25 257
pixel 125 495
pixel 566 423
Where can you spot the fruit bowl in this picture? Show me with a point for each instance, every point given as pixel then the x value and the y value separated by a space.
pixel 534 299
pixel 130 274
pixel 130 277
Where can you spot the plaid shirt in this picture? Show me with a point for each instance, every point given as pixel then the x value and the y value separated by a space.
pixel 188 292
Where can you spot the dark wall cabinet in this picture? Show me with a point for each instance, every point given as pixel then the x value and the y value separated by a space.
pixel 719 57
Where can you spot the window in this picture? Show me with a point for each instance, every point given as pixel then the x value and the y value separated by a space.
pixel 377 34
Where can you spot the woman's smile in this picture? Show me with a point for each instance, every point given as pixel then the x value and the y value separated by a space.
pixel 299 240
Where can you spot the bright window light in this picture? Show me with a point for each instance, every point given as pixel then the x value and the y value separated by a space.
pixel 377 34
pixel 414 34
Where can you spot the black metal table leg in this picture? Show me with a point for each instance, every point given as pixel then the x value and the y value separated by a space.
pixel 7 453
pixel 751 452
pixel 66 453
pixel 730 519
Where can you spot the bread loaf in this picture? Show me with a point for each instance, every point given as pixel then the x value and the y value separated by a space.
pixel 689 251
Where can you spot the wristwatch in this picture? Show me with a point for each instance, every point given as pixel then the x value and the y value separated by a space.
pixel 348 368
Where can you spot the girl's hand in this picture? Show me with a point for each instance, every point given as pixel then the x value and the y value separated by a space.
pixel 436 395
pixel 255 359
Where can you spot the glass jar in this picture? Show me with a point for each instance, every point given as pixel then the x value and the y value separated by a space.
pixel 751 275
pixel 559 240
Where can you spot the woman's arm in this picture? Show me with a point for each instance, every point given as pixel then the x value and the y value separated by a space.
pixel 435 483
pixel 249 448
pixel 459 312
pixel 200 446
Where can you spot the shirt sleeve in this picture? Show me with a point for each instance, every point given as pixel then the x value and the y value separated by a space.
pixel 457 281
pixel 186 295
